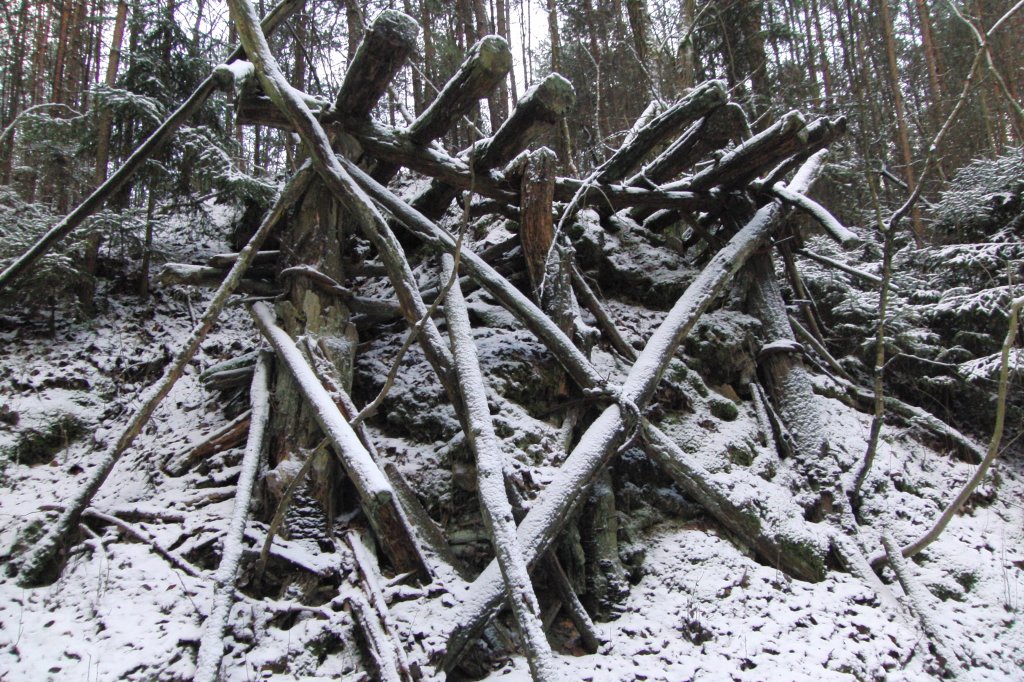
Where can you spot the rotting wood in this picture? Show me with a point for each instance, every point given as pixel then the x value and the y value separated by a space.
pixel 370 584
pixel 536 227
pixel 746 161
pixel 211 645
pixel 224 438
pixel 205 276
pixel 378 644
pixel 486 63
pixel 373 487
pixel 224 261
pixel 538 110
pixel 590 638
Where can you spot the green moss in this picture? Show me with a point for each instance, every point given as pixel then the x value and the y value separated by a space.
pixel 741 456
pixel 724 409
pixel 802 558
pixel 38 446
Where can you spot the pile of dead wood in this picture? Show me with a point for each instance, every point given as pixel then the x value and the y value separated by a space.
pixel 694 164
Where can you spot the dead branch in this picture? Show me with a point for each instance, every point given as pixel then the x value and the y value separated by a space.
pixel 211 646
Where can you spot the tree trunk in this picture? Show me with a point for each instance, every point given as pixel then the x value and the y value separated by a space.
pixel 902 134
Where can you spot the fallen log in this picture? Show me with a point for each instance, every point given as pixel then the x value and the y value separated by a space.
pixel 172 274
pixel 537 111
pixel 384 50
pixel 486 63
pixel 698 102
pixel 748 160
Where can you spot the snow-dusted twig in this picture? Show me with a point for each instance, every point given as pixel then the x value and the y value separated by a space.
pixel 491 483
pixel 921 603
pixel 38 564
pixel 211 646
pixel 835 229
pixel 140 535
pixel 993 447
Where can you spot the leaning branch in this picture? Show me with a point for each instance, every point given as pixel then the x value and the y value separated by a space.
pixel 211 646
pixel 491 483
pixel 373 487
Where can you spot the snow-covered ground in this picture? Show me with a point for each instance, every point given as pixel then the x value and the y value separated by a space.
pixel 701 608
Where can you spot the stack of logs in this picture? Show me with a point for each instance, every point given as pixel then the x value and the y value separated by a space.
pixel 694 164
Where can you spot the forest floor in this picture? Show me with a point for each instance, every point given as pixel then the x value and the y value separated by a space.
pixel 698 608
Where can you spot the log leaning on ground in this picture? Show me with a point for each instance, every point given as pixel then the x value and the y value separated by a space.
pixel 156 139
pixel 41 563
pixel 497 510
pixel 376 496
pixel 211 646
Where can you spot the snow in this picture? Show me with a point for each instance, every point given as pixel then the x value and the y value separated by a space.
pixel 701 608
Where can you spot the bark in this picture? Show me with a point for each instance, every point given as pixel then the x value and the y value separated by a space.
pixel 677 118
pixel 538 110
pixel 485 65
pixel 536 226
pixel 225 438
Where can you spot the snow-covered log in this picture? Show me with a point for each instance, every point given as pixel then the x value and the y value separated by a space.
pixel 374 489
pixel 211 646
pixel 491 484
